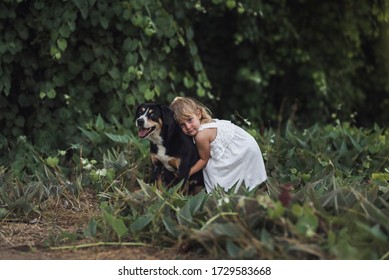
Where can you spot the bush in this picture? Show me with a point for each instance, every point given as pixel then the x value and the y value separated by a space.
pixel 66 64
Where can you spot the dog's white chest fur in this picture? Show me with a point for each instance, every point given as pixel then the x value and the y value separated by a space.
pixel 161 154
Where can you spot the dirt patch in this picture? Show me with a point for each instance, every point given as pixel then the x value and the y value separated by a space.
pixel 97 253
pixel 62 222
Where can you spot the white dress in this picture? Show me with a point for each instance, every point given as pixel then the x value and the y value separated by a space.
pixel 236 158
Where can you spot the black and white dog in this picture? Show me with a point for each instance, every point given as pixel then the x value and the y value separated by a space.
pixel 172 152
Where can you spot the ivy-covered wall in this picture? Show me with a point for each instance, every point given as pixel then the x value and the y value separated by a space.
pixel 64 64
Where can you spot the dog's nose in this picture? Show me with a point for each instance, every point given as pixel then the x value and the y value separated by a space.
pixel 140 122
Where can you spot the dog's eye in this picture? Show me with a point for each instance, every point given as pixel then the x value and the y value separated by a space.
pixel 153 116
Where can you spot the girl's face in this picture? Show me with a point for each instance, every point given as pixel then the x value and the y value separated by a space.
pixel 191 125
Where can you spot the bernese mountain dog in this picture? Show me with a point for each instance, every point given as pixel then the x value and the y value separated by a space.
pixel 172 152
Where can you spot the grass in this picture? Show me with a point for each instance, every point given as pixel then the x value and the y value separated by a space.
pixel 327 197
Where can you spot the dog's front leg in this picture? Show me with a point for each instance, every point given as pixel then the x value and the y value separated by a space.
pixel 196 182
pixel 157 174
pixel 183 174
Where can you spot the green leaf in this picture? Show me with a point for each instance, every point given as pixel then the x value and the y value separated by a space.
pixel 266 239
pixel 233 250
pixel 171 226
pixel 379 176
pixel 122 139
pixel 51 94
pixel 149 94
pixel 193 48
pixel 374 231
pixel 188 82
pixel 130 100
pixel 117 224
pixel 130 44
pixel 114 73
pixel 99 124
pixel 231 4
pixel 131 58
pixel 307 223
pixel 354 142
pixel 62 44
pixel 297 210
pixel 82 7
pixel 373 212
pixel 121 161
pixel 141 222
pixel 189 33
pixel 99 67
pixel 227 229
pixel 195 203
pixel 104 22
pixel 65 32
pixel 146 188
pixel 52 161
pixel 276 211
pixel 91 230
pixel 184 216
pixel 93 136
pixel 3 213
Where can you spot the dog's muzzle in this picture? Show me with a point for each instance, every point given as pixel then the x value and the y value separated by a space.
pixel 143 131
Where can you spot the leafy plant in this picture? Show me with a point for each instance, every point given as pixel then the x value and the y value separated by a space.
pixel 335 207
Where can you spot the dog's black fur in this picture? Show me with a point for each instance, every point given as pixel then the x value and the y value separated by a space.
pixel 172 152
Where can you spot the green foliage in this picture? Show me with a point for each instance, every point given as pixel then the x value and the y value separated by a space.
pixel 21 198
pixel 338 207
pixel 66 66
pixel 273 61
pixel 72 73
pixel 339 150
pixel 29 183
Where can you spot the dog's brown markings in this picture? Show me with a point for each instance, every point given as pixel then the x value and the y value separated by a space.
pixel 159 181
pixel 154 158
pixel 175 162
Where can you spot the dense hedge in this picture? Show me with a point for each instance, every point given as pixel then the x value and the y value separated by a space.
pixel 67 64
pixel 303 59
pixel 63 63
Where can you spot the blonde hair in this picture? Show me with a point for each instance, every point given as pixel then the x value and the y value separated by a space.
pixel 185 107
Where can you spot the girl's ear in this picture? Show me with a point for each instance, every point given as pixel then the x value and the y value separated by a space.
pixel 198 113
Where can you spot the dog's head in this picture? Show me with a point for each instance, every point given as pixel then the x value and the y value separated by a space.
pixel 151 118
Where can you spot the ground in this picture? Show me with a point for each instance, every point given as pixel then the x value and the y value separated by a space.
pixel 52 235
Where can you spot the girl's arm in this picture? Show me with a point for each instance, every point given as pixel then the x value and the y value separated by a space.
pixel 202 139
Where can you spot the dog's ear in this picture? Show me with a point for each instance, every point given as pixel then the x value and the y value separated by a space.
pixel 167 114
pixel 169 127
pixel 138 108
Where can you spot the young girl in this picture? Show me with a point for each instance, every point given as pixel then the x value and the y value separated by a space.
pixel 229 155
